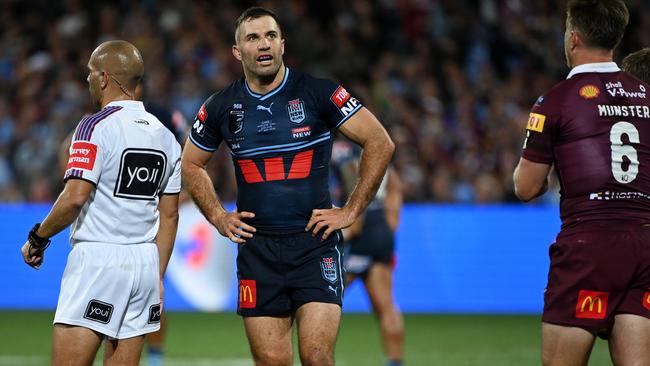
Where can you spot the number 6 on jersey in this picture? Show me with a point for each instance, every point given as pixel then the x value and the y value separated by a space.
pixel 620 150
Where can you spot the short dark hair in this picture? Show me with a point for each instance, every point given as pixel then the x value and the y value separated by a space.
pixel 255 12
pixel 601 23
pixel 638 64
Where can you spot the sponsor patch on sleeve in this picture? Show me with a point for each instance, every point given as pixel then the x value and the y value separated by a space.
pixel 340 96
pixel 82 155
pixel 536 122
pixel 203 114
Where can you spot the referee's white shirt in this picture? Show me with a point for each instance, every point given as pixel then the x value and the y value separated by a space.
pixel 131 158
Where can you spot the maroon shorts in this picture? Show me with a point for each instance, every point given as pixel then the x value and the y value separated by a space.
pixel 596 275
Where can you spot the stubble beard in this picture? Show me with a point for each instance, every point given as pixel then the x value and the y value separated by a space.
pixel 265 75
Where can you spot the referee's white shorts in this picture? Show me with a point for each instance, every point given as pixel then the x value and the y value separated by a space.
pixel 112 289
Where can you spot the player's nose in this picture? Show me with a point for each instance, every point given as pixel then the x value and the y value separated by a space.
pixel 265 44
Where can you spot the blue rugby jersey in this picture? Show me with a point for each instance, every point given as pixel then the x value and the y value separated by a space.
pixel 280 143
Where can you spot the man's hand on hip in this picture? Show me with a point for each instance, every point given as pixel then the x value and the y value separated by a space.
pixel 331 219
pixel 230 225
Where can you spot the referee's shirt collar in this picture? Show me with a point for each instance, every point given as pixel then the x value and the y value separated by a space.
pixel 129 104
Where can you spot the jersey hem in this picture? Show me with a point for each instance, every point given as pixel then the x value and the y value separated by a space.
pixel 536 159
pixel 204 148
pixel 78 323
pixel 354 111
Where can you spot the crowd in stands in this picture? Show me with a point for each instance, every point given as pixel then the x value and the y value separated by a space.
pixel 451 80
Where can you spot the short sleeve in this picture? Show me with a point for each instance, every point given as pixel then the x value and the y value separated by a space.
pixel 205 132
pixel 174 183
pixel 540 133
pixel 336 104
pixel 86 155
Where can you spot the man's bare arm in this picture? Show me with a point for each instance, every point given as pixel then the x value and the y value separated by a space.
pixel 364 129
pixel 199 185
pixel 166 236
pixel 65 210
pixel 531 179
pixel 393 200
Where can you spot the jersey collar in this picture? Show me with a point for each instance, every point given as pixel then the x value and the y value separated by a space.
pixel 272 92
pixel 130 104
pixel 594 67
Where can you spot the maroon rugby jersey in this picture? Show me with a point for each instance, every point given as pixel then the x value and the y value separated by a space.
pixel 594 128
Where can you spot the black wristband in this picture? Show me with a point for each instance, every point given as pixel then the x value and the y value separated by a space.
pixel 36 242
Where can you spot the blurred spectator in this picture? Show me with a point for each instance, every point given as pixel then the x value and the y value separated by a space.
pixel 452 80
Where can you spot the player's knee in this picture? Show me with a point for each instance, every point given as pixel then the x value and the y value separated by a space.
pixel 317 357
pixel 395 331
pixel 392 322
pixel 273 358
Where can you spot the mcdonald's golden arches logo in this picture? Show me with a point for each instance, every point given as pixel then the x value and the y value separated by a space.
pixel 591 304
pixel 646 300
pixel 247 294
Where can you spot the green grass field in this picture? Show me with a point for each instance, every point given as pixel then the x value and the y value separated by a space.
pixel 196 339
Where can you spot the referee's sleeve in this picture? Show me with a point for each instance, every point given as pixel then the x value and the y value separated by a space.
pixel 174 183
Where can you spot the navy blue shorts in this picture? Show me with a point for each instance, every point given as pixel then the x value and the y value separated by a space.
pixel 375 244
pixel 279 273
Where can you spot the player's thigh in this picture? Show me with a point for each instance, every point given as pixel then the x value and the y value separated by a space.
pixel 589 278
pixel 565 345
pixel 318 326
pixel 269 339
pixel 629 343
pixel 73 345
pixel 379 285
pixel 123 352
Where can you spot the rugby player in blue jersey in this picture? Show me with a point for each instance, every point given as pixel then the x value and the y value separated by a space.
pixel 278 124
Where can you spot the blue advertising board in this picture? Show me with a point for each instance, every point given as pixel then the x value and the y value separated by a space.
pixel 450 259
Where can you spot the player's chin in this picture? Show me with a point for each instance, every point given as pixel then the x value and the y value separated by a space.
pixel 267 70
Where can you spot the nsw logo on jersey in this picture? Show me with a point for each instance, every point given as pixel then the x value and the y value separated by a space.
pixel 296 109
pixel 236 121
pixel 141 173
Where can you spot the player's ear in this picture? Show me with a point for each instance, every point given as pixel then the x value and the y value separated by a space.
pixel 236 52
pixel 104 82
pixel 576 39
pixel 282 46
